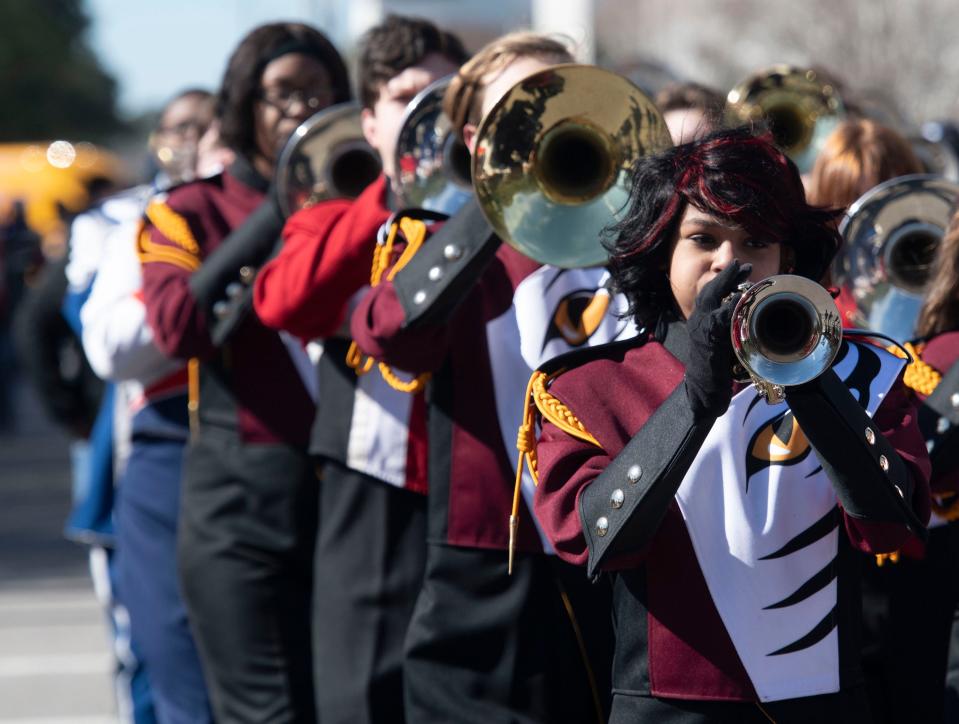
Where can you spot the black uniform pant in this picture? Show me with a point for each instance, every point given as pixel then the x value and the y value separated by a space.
pixel 370 554
pixel 485 647
pixel 245 555
pixel 908 611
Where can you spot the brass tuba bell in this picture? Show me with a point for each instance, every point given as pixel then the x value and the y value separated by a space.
pixel 786 330
pixel 553 160
pixel 432 163
pixel 799 107
pixel 891 235
pixel 326 157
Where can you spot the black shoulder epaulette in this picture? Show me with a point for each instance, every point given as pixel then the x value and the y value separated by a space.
pixel 443 272
pixel 578 357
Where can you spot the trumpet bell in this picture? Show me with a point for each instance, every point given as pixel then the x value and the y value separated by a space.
pixel 786 330
pixel 432 163
pixel 326 157
pixel 799 107
pixel 553 161
pixel 891 236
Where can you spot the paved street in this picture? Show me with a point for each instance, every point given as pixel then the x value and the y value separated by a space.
pixel 54 661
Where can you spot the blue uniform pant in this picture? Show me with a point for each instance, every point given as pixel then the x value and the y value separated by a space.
pixel 147 509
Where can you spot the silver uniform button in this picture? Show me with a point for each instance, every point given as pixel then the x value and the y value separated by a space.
pixel 435 273
pixel 419 297
pixel 617 498
pixel 234 289
pixel 870 436
pixel 452 252
pixel 634 473
pixel 220 308
pixel 602 526
pixel 954 399
pixel 884 463
pixel 942 425
pixel 246 274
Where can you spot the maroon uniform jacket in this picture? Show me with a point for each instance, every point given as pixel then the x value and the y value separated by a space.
pixel 941 353
pixel 251 384
pixel 470 475
pixel 307 290
pixel 672 641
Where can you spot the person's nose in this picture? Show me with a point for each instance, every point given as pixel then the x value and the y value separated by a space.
pixel 722 256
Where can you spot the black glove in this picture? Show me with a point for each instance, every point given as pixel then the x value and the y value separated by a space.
pixel 709 369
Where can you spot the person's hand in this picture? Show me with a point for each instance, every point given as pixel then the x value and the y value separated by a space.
pixel 709 370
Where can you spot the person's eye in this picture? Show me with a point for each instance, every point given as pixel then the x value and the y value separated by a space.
pixel 758 243
pixel 703 240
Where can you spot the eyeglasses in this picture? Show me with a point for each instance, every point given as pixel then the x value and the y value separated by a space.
pixel 183 129
pixel 283 99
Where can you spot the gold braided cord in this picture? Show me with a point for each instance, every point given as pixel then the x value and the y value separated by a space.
pixel 557 413
pixel 149 251
pixel 538 398
pixel 414 231
pixel 919 376
pixel 883 558
pixel 173 226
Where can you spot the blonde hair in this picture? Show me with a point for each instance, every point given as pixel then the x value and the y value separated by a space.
pixel 858 155
pixel 464 96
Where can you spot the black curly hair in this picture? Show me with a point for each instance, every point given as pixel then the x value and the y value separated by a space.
pixel 732 174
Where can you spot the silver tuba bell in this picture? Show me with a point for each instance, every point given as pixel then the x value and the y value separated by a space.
pixel 326 157
pixel 786 330
pixel 891 236
pixel 432 163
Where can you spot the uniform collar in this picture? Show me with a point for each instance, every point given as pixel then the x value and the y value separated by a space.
pixel 242 170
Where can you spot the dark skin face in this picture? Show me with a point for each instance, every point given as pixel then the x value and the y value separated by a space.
pixel 292 88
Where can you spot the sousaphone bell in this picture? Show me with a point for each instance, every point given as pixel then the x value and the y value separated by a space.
pixel 553 161
pixel 786 330
pixel 326 157
pixel 432 163
pixel 891 236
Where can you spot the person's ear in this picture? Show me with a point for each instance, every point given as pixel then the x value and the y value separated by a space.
pixel 469 137
pixel 369 126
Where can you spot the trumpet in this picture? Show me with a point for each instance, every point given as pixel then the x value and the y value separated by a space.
pixel 553 161
pixel 326 157
pixel 799 107
pixel 891 236
pixel 432 164
pixel 786 330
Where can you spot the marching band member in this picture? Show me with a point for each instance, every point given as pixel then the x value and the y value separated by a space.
pixel 150 426
pixel 728 526
pixel 369 438
pixel 484 646
pixel 921 591
pixel 248 506
pixel 858 155
pixel 905 632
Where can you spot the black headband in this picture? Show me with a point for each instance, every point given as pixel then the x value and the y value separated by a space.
pixel 291 46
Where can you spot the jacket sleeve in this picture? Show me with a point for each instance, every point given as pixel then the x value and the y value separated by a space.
pixel 896 421
pixel 378 326
pixel 325 259
pixel 170 251
pixel 117 340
